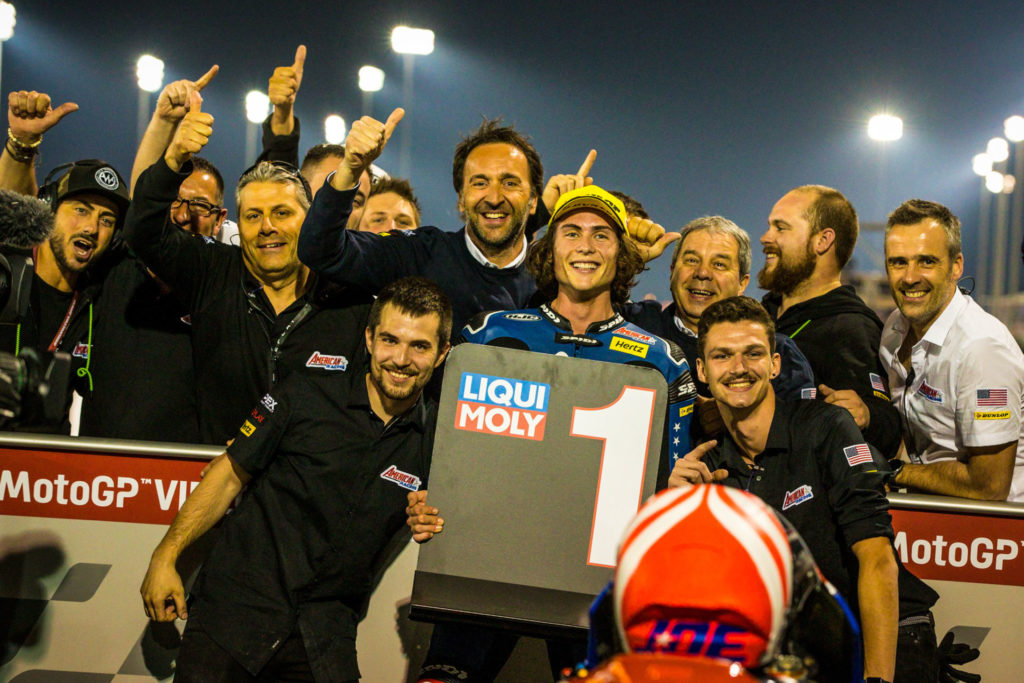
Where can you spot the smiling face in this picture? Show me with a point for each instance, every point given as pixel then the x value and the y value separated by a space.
pixel 921 272
pixel 496 197
pixel 404 351
pixel 269 219
pixel 585 248
pixel 83 227
pixel 738 364
pixel 706 270
pixel 789 259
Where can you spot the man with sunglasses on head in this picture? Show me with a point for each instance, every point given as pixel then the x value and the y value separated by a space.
pixel 257 313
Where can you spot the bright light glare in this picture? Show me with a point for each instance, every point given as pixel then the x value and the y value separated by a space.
pixel 7 21
pixel 885 127
pixel 1013 128
pixel 982 164
pixel 257 106
pixel 998 149
pixel 412 41
pixel 994 182
pixel 150 72
pixel 334 129
pixel 371 79
pixel 1009 182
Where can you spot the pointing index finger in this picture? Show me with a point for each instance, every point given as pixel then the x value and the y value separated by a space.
pixel 207 77
pixel 701 450
pixel 587 163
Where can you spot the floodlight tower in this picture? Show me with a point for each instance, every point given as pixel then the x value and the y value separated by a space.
pixel 149 71
pixel 409 42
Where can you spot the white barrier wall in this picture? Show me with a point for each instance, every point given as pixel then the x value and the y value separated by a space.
pixel 79 519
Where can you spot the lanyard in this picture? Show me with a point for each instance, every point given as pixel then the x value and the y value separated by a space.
pixel 64 325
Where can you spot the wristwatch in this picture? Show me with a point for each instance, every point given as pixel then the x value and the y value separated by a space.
pixel 896 465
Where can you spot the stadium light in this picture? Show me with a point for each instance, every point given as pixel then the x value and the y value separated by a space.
pixel 1013 128
pixel 334 129
pixel 371 79
pixel 150 73
pixel 257 106
pixel 7 21
pixel 412 41
pixel 982 164
pixel 994 182
pixel 998 149
pixel 885 127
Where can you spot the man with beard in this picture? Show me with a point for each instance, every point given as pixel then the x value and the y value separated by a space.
pixel 956 373
pixel 811 234
pixel 331 459
pixel 809 461
pixel 497 175
pixel 89 200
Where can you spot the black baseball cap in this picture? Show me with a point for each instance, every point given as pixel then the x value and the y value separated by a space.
pixel 94 176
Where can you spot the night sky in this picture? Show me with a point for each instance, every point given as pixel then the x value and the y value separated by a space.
pixel 694 108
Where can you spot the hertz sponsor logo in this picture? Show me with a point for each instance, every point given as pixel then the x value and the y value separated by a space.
pixel 633 348
pixel 502 406
pixel 992 415
pixel 248 428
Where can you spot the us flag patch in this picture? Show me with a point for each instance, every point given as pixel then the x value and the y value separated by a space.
pixel 858 454
pixel 992 397
pixel 809 393
pixel 876 382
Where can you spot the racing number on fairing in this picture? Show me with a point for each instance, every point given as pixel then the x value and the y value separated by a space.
pixel 624 425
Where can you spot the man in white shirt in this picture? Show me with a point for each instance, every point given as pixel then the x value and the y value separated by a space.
pixel 956 373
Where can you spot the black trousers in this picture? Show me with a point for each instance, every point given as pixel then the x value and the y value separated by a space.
pixel 202 660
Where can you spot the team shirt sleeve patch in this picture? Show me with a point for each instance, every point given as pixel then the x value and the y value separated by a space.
pixel 991 398
pixel 878 386
pixel 858 454
pixel 247 428
pixel 992 415
pixel 809 393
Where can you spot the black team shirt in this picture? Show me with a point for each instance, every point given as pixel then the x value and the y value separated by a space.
pixel 819 473
pixel 327 497
pixel 240 345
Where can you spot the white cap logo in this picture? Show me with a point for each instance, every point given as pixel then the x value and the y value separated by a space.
pixel 106 177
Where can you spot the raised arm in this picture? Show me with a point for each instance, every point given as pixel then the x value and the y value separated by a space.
pixel 29 115
pixel 202 509
pixel 171 107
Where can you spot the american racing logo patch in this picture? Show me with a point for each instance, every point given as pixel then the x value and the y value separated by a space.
pixel 502 406
pixel 326 362
pixel 403 479
pixel 626 332
pixel 930 393
pixel 633 348
pixel 797 496
pixel 81 351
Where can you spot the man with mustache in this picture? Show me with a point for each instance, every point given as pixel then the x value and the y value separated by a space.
pixel 956 372
pixel 809 461
pixel 811 234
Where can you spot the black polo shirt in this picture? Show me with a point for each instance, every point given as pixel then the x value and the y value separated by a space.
pixel 240 345
pixel 303 546
pixel 817 471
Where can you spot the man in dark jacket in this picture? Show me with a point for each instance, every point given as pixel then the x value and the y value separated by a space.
pixel 811 234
